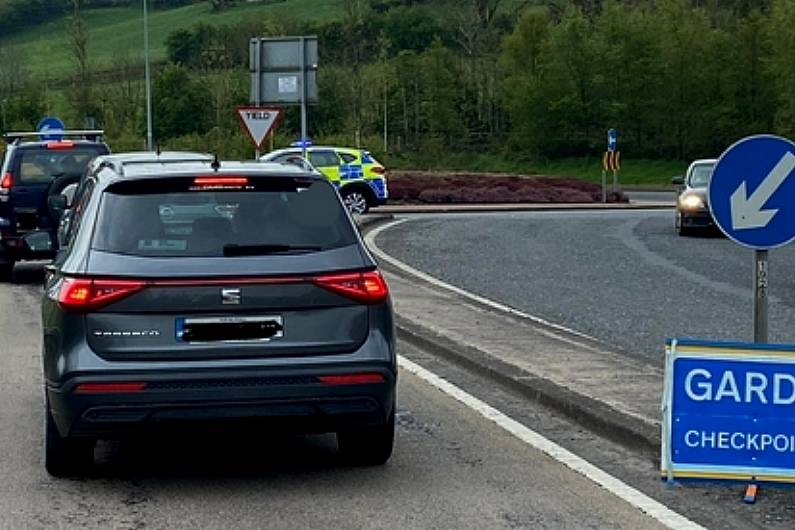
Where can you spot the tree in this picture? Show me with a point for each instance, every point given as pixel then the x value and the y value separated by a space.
pixel 179 103
pixel 782 64
pixel 78 46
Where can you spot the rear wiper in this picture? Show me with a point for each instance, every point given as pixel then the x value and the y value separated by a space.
pixel 232 250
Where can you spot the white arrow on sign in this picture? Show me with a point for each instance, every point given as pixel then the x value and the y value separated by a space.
pixel 747 211
pixel 258 122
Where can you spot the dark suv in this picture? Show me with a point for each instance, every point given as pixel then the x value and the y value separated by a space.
pixel 32 173
pixel 196 292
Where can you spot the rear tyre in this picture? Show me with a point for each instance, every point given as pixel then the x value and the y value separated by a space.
pixel 66 457
pixel 356 200
pixel 370 445
pixel 6 271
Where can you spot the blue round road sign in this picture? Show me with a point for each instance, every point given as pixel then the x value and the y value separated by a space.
pixel 752 192
pixel 51 123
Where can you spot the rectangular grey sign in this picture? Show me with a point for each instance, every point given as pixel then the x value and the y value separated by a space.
pixel 276 64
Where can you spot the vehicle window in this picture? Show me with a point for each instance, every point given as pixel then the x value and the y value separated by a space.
pixel 324 158
pixel 700 176
pixel 285 157
pixel 79 205
pixel 347 157
pixel 186 222
pixel 42 166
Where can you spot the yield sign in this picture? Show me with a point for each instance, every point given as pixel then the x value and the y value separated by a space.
pixel 258 122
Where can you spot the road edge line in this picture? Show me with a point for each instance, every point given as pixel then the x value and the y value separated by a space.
pixel 625 492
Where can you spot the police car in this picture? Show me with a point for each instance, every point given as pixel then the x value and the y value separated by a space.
pixel 360 178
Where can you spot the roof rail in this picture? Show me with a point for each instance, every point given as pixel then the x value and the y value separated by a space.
pixel 172 161
pixel 90 135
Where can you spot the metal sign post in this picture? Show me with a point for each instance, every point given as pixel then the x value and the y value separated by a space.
pixel 303 98
pixel 760 296
pixel 604 185
pixel 751 194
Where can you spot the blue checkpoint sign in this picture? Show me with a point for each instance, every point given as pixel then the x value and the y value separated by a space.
pixel 612 140
pixel 729 412
pixel 752 192
pixel 51 123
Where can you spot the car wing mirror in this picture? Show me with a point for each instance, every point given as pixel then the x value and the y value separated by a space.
pixel 57 205
pixel 678 181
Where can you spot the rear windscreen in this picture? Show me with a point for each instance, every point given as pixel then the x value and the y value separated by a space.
pixel 42 166
pixel 266 216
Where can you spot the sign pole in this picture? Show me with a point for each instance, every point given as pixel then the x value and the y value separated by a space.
pixel 615 181
pixel 604 186
pixel 760 295
pixel 148 76
pixel 258 93
pixel 303 97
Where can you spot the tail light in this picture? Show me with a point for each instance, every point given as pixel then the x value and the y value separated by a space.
pixel 7 182
pixel 352 379
pixel 220 181
pixel 363 287
pixel 378 169
pixel 63 145
pixel 84 294
pixel 109 388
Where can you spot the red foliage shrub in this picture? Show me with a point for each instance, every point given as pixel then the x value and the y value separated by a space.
pixel 438 188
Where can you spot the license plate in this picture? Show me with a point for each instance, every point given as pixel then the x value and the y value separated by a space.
pixel 230 329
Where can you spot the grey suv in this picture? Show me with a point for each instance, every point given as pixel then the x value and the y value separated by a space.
pixel 197 292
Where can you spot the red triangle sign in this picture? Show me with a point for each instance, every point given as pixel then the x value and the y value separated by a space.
pixel 259 122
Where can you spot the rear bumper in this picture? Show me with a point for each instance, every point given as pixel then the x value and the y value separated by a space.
pixel 296 399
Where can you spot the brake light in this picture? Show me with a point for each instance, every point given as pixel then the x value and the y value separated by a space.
pixel 352 379
pixel 60 146
pixel 220 181
pixel 109 388
pixel 83 294
pixel 364 287
pixel 380 170
pixel 7 182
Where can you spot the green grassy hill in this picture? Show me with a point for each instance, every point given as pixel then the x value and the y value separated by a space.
pixel 114 31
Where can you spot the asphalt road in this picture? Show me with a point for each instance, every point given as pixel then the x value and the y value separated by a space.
pixel 622 277
pixel 452 468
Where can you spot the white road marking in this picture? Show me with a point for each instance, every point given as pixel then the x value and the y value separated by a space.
pixel 371 243
pixel 646 504
pixel 635 498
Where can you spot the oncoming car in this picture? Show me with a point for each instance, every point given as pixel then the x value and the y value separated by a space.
pixel 360 178
pixel 196 293
pixel 692 207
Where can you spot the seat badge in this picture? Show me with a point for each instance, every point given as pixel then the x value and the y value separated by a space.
pixel 232 296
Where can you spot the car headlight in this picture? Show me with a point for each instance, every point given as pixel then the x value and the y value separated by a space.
pixel 692 202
